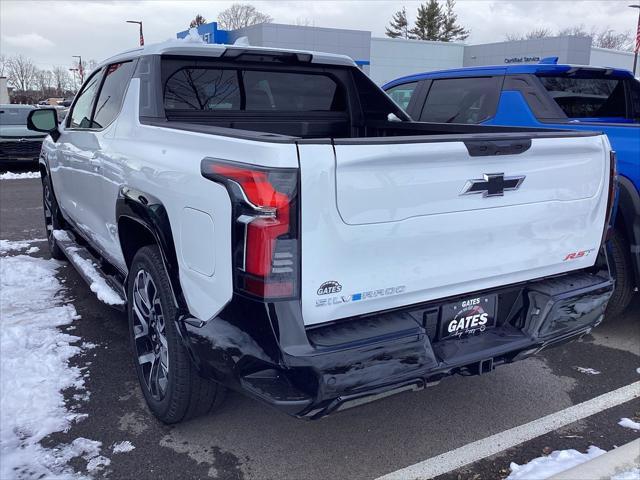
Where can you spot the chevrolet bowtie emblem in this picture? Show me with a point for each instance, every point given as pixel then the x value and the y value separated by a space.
pixel 492 185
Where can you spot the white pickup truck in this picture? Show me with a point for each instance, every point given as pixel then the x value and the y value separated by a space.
pixel 273 223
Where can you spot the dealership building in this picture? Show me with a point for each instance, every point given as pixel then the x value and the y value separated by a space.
pixel 385 59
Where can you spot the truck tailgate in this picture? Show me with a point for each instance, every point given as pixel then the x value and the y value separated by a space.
pixel 386 225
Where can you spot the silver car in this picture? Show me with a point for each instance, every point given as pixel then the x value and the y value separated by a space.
pixel 18 144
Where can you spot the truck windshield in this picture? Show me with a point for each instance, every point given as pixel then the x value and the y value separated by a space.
pixel 13 116
pixel 589 98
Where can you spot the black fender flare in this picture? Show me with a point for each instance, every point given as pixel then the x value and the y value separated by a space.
pixel 149 212
pixel 629 212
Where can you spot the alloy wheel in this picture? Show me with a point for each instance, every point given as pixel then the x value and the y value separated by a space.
pixel 150 335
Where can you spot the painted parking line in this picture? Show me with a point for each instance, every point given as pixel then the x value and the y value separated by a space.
pixel 488 446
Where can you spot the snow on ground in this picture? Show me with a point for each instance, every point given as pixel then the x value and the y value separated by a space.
pixel 15 245
pixel 34 370
pixel 627 422
pixel 556 462
pixel 123 447
pixel 633 474
pixel 18 176
pixel 588 371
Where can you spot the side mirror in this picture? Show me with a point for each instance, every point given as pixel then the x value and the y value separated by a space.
pixel 44 120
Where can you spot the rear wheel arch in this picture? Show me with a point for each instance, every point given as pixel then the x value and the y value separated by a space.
pixel 628 215
pixel 142 220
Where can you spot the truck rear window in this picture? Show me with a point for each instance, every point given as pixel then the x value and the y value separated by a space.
pixel 230 89
pixel 587 97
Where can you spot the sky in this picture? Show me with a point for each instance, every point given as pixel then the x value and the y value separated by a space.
pixel 51 32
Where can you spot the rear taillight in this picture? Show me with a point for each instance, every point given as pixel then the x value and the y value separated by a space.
pixel 611 198
pixel 265 242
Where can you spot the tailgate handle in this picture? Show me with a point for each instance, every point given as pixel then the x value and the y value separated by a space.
pixel 484 148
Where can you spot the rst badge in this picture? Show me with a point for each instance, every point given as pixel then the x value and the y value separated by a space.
pixel 492 185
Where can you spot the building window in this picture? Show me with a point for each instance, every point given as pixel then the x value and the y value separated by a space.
pixel 206 37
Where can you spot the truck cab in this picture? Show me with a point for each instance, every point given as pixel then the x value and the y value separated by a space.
pixel 548 95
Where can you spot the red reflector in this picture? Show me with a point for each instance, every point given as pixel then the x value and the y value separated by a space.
pixel 271 289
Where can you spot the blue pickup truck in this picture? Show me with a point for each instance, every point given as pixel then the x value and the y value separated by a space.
pixel 548 95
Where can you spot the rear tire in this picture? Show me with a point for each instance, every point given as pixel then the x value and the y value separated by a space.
pixel 172 387
pixel 52 218
pixel 622 271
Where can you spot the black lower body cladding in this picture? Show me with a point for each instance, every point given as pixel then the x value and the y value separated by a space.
pixel 264 350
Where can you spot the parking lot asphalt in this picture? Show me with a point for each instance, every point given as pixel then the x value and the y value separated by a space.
pixel 247 440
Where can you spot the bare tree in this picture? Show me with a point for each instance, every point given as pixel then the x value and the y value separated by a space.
pixel 61 80
pixel 240 15
pixel 43 80
pixel 537 33
pixel 304 22
pixel 3 65
pixel 605 38
pixel 197 21
pixel 616 41
pixel 21 72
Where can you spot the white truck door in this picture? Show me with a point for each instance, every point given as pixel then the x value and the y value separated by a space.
pixel 76 177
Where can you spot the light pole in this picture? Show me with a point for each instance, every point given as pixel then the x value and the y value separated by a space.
pixel 80 68
pixel 141 36
pixel 637 42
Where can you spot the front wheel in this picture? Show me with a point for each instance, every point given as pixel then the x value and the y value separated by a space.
pixel 52 218
pixel 170 383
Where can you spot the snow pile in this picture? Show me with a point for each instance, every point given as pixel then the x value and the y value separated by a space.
pixel 19 176
pixel 556 462
pixel 633 474
pixel 123 447
pixel 627 422
pixel 15 245
pixel 588 371
pixel 34 370
pixel 98 285
pixel 193 36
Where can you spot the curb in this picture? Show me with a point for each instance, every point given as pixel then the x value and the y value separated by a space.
pixel 605 466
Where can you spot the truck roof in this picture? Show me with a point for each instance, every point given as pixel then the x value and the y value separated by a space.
pixel 508 70
pixel 190 47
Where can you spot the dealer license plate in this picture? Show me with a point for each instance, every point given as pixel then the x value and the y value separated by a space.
pixel 470 316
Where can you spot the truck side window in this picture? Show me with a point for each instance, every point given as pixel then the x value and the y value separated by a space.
pixel 401 94
pixel 462 100
pixel 587 97
pixel 80 116
pixel 115 83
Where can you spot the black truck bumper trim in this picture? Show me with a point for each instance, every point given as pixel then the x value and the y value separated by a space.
pixel 354 361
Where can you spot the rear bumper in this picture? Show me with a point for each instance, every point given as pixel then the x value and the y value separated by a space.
pixel 261 350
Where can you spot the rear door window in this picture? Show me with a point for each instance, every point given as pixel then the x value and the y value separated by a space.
pixel 587 97
pixel 401 94
pixel 462 100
